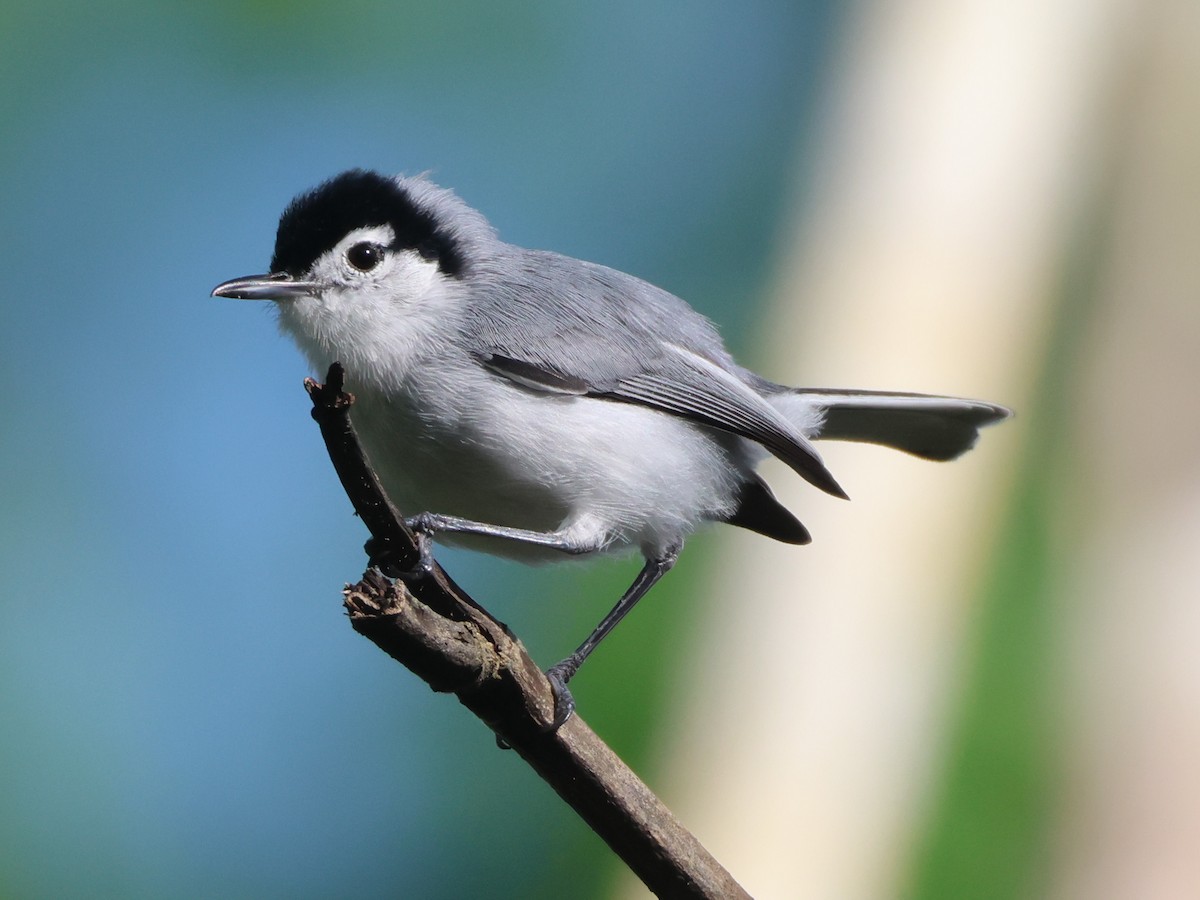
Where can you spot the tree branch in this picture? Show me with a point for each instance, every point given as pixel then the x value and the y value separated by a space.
pixel 427 623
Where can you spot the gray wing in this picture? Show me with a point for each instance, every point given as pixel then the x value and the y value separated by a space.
pixel 571 317
pixel 617 338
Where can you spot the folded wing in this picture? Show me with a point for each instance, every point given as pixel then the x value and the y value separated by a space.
pixel 684 383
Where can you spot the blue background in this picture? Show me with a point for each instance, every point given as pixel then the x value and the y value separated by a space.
pixel 185 711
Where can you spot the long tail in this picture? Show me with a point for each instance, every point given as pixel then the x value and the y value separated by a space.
pixel 939 428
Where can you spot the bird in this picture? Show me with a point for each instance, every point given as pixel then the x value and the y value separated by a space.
pixel 536 406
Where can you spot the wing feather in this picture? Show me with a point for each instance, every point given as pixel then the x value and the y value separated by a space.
pixel 687 385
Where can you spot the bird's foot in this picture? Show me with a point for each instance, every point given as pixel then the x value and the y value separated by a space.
pixel 564 704
pixel 384 556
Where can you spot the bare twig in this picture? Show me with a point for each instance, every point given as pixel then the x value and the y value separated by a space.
pixel 426 622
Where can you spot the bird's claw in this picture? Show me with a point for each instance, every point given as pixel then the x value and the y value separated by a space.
pixel 564 703
pixel 383 555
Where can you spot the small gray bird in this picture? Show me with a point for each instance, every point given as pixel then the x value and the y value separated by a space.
pixel 537 406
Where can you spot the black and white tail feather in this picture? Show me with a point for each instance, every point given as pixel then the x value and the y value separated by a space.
pixel 931 427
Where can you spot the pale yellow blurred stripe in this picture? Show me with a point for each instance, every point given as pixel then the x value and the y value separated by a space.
pixel 959 139
pixel 1130 826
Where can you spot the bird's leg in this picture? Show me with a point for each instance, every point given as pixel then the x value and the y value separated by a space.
pixel 431 523
pixel 562 672
pixel 425 525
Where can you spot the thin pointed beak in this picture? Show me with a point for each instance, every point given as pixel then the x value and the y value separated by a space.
pixel 276 286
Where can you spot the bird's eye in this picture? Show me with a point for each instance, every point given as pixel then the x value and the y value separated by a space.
pixel 365 256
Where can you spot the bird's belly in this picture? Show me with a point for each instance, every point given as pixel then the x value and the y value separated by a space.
pixel 426 468
pixel 614 473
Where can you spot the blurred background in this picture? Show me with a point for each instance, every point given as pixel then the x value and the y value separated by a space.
pixel 980 680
